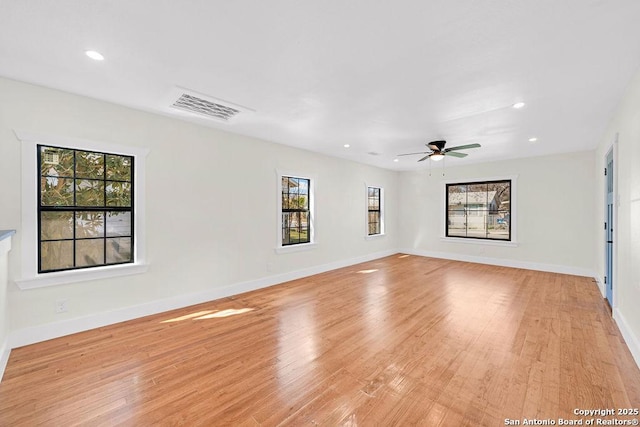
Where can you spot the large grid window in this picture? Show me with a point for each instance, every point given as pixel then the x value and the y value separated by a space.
pixel 85 209
pixel 296 220
pixel 374 218
pixel 479 210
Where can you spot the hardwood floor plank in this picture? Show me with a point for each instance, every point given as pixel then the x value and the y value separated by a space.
pixel 402 340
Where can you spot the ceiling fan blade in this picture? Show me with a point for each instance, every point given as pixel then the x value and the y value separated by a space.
pixel 456 154
pixel 425 157
pixel 462 147
pixel 412 154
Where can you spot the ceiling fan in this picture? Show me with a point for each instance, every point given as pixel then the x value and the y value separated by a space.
pixel 438 151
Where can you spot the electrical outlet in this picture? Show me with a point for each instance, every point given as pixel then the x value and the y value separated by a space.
pixel 62 306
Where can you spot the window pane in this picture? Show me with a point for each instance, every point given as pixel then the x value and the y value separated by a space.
pixel 374 223
pixel 502 196
pixel 294 235
pixel 477 197
pixel 89 165
pixel 286 239
pixel 56 255
pixel 294 227
pixel 118 250
pixel 56 162
pixel 457 223
pixel 294 220
pixel 456 210
pixel 119 167
pixel 56 225
pixel 374 198
pixel 56 191
pixel 477 223
pixel 457 197
pixel 294 185
pixel 303 186
pixel 118 224
pixel 304 227
pixel 89 224
pixel 89 193
pixel 303 202
pixel 304 219
pixel 89 252
pixel 498 226
pixel 118 193
pixel 293 201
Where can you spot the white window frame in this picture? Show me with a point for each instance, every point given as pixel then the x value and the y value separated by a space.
pixel 280 249
pixel 368 236
pixel 30 278
pixel 514 217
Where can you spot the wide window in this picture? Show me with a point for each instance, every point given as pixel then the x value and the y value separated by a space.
pixel 479 210
pixel 296 212
pixel 85 209
pixel 374 210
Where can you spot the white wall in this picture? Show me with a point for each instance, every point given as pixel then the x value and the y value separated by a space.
pixel 199 247
pixel 554 208
pixel 626 291
pixel 211 210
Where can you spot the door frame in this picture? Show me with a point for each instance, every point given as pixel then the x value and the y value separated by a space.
pixel 613 148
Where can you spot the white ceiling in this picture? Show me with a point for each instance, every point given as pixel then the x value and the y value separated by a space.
pixel 382 76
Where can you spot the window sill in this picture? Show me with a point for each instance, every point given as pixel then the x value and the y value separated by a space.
pixel 73 276
pixel 508 244
pixel 295 248
pixel 374 236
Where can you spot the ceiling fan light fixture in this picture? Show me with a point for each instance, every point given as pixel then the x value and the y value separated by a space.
pixel 436 157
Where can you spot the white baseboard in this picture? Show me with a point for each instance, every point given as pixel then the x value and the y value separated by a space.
pixel 627 333
pixel 552 268
pixel 48 331
pixel 5 350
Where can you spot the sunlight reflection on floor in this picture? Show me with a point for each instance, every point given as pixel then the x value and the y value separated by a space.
pixel 209 314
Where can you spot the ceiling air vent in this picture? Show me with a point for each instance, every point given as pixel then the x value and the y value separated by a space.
pixel 203 105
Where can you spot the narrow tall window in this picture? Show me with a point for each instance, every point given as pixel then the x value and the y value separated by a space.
pixel 85 209
pixel 479 210
pixel 374 217
pixel 296 220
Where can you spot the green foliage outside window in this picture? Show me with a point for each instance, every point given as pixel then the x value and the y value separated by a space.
pixel 86 208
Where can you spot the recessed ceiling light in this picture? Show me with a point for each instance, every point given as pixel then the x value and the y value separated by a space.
pixel 97 56
pixel 518 105
pixel 534 139
pixel 346 146
pixel 396 160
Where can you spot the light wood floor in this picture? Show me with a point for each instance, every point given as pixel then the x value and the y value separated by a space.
pixel 404 340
